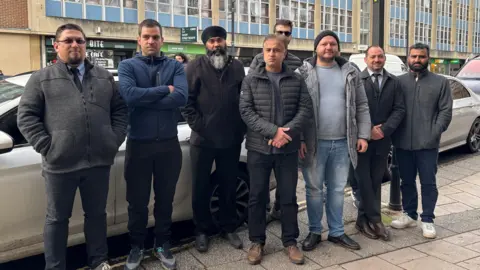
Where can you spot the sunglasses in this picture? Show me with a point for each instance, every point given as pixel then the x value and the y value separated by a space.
pixel 286 33
pixel 71 40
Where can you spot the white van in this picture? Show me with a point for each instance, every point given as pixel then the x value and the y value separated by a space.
pixel 394 64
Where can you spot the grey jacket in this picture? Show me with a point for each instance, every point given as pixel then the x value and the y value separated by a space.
pixel 72 130
pixel 428 104
pixel 358 115
pixel 257 108
pixel 292 62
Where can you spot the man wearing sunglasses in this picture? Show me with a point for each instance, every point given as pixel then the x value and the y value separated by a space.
pixel 72 114
pixel 282 27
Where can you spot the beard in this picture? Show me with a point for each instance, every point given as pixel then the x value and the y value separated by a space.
pixel 418 68
pixel 218 57
pixel 74 60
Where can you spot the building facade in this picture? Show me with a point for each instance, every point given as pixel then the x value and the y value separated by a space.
pixel 27 27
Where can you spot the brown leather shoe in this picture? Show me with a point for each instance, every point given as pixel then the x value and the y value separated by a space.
pixel 364 228
pixel 380 230
pixel 294 254
pixel 255 254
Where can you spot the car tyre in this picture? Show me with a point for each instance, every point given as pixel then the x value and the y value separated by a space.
pixel 241 202
pixel 473 138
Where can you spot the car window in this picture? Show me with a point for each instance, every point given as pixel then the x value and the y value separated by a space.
pixel 458 90
pixel 9 91
pixel 471 70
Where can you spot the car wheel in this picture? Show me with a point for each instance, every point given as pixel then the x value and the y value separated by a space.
pixel 241 202
pixel 473 139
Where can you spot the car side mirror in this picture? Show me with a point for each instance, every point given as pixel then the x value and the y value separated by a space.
pixel 6 143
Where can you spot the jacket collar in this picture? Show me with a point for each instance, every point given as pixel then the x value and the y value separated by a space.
pixel 421 75
pixel 64 66
pixel 365 74
pixel 151 59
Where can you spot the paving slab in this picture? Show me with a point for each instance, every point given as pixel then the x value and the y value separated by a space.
pixel 239 265
pixel 219 252
pixel 372 263
pixel 402 256
pixel 429 263
pixel 466 198
pixel 370 247
pixel 446 251
pixel 328 254
pixel 473 264
pixel 463 239
pixel 280 261
pixel 460 222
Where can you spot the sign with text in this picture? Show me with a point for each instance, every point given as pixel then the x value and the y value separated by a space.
pixel 189 34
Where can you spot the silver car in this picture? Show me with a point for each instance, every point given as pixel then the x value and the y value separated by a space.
pixel 22 191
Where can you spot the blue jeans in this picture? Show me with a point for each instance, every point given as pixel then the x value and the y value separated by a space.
pixel 331 168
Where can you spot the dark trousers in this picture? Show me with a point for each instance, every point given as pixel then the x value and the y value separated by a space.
pixel 368 175
pixel 163 160
pixel 276 203
pixel 226 170
pixel 60 191
pixel 425 163
pixel 285 167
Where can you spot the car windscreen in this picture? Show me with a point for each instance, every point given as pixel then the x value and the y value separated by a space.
pixel 9 91
pixel 471 70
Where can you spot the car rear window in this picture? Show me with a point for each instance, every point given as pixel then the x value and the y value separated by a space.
pixel 9 91
pixel 471 70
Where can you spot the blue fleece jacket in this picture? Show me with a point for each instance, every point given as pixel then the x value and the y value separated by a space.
pixel 153 110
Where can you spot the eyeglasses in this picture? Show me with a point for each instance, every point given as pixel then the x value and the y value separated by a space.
pixel 286 33
pixel 79 41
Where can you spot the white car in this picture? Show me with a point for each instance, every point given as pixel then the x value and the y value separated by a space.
pixel 22 191
pixel 393 63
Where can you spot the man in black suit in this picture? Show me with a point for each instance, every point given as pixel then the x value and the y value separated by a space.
pixel 387 109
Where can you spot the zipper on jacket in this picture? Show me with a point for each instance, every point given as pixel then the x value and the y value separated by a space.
pixel 413 112
pixel 88 128
pixel 152 68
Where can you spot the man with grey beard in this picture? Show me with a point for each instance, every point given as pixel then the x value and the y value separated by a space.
pixel 214 82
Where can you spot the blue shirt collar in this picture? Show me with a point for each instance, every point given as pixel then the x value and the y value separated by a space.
pixel 81 69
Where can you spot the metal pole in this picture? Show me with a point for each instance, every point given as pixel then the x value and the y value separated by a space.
pixel 233 2
pixel 395 201
pixel 395 198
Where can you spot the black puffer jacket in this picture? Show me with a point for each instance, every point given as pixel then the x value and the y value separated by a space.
pixel 257 108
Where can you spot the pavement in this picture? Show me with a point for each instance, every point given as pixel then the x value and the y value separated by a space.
pixel 457 245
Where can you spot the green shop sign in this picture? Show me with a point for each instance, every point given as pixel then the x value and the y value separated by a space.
pixel 101 44
pixel 183 48
pixel 444 61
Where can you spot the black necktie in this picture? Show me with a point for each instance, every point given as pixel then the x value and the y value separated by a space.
pixel 377 83
pixel 76 79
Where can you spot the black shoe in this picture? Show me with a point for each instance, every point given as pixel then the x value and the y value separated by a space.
pixel 311 242
pixel 201 242
pixel 380 230
pixel 234 240
pixel 134 259
pixel 364 228
pixel 344 241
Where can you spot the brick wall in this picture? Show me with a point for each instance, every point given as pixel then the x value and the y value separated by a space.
pixel 13 14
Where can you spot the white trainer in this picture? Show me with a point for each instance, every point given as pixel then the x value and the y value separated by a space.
pixel 428 230
pixel 403 222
